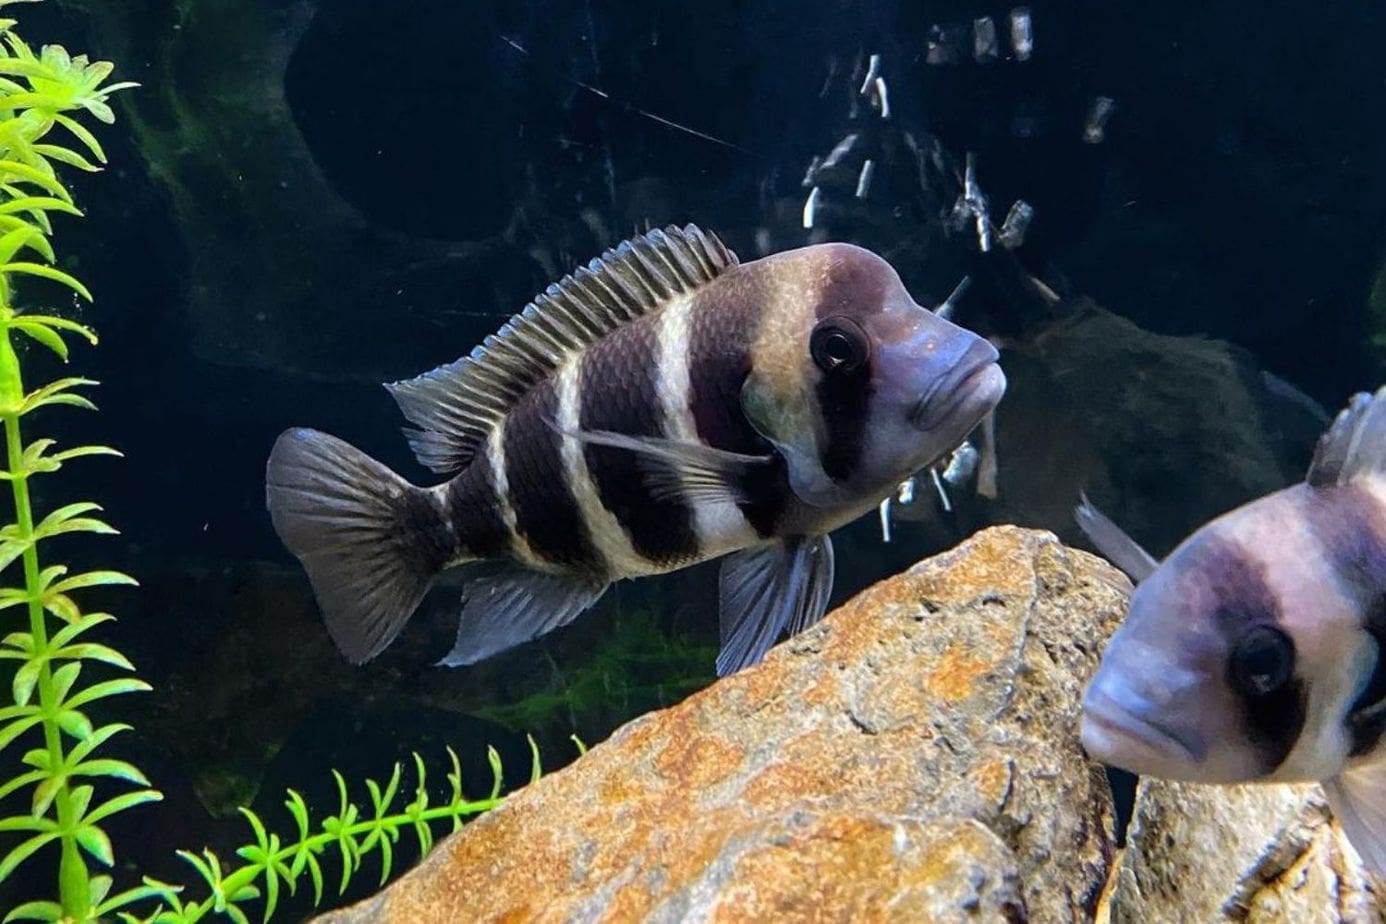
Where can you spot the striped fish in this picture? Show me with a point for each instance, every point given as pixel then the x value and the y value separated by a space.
pixel 1256 651
pixel 661 406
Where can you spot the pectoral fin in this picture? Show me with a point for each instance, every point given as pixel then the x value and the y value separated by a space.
pixel 506 605
pixel 1358 798
pixel 684 470
pixel 764 591
pixel 1120 549
pixel 787 420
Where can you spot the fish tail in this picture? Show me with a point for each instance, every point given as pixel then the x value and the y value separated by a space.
pixel 371 542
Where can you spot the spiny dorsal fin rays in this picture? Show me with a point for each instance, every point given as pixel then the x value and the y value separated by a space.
pixel 455 406
pixel 1355 444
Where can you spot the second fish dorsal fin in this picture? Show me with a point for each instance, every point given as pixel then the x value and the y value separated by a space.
pixel 454 407
pixel 1354 444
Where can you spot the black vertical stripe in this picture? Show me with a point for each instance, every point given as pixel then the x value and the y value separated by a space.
pixel 845 402
pixel 618 391
pixel 725 320
pixel 1244 601
pixel 473 508
pixel 421 532
pixel 855 283
pixel 546 512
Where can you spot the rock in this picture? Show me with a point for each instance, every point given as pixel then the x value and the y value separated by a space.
pixel 913 757
pixel 1265 854
pixel 1162 432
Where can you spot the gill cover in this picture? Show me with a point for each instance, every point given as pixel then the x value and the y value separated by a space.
pixel 787 418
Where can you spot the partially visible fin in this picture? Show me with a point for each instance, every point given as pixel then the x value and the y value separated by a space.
pixel 764 591
pixel 455 406
pixel 361 532
pixel 678 469
pixel 505 605
pixel 1358 799
pixel 984 438
pixel 1120 549
pixel 1354 444
pixel 1284 389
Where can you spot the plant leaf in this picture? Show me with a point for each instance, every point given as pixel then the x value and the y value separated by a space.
pixel 48 272
pixel 36 911
pixel 63 679
pixel 93 652
pixel 75 724
pixel 122 802
pixel 24 680
pixel 43 334
pixel 107 766
pixel 92 579
pixel 97 843
pixel 108 688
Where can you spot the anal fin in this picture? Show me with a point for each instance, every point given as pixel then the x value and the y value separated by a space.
pixel 767 590
pixel 1358 799
pixel 506 605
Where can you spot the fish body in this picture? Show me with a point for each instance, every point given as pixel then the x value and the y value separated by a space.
pixel 663 406
pixel 1254 651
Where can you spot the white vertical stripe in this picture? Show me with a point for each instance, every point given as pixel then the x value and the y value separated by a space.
pixel 609 536
pixel 495 457
pixel 720 525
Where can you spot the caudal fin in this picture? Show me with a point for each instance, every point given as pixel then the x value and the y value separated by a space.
pixel 369 540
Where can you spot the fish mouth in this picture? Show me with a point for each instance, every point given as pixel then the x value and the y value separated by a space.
pixel 1115 736
pixel 972 387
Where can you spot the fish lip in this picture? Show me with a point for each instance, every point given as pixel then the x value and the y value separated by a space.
pixel 1102 717
pixel 974 374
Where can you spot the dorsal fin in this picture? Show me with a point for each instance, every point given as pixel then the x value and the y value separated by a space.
pixel 455 406
pixel 1354 444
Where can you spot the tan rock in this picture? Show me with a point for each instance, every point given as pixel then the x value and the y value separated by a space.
pixel 912 758
pixel 1263 854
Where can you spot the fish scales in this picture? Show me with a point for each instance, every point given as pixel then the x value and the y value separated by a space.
pixel 547 514
pixel 473 508
pixel 620 392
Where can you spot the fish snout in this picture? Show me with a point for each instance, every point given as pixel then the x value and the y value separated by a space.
pixel 970 387
pixel 1146 723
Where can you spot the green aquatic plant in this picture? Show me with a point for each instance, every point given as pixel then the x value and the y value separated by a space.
pixel 54 659
pixel 353 834
pixel 46 734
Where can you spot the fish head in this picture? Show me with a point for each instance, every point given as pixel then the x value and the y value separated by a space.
pixel 860 386
pixel 1249 654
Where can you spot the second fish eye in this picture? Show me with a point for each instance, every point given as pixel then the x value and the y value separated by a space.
pixel 838 345
pixel 1263 661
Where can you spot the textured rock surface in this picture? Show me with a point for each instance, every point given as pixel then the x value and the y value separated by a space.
pixel 1261 854
pixel 911 758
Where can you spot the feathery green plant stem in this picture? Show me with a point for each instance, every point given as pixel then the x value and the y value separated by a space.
pixel 56 676
pixel 74 886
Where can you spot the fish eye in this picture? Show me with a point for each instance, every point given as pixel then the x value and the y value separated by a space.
pixel 838 345
pixel 1263 661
